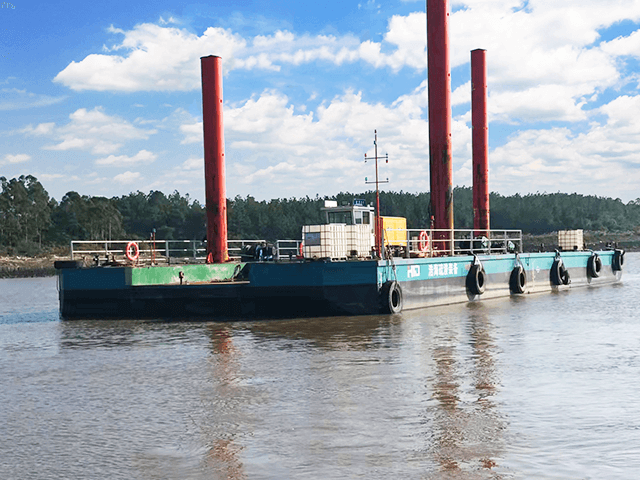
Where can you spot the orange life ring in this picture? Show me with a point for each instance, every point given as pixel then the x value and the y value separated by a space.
pixel 424 241
pixel 301 249
pixel 132 251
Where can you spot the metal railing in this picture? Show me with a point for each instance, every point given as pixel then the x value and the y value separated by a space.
pixel 157 251
pixel 439 242
pixel 287 249
pixel 418 243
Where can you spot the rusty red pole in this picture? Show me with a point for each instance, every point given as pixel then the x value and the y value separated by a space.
pixel 214 165
pixel 378 237
pixel 480 142
pixel 439 81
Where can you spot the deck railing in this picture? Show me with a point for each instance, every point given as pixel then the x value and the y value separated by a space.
pixel 287 249
pixel 158 251
pixel 418 243
pixel 439 242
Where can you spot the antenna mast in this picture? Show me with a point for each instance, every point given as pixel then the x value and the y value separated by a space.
pixel 378 223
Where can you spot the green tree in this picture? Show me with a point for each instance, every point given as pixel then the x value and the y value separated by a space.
pixel 25 214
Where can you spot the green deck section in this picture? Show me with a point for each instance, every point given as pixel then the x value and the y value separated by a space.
pixel 167 275
pixel 118 278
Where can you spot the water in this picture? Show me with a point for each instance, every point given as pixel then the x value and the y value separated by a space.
pixel 541 387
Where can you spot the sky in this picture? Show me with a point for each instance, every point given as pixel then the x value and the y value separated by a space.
pixel 105 98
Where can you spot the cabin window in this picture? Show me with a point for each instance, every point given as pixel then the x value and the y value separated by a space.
pixel 365 218
pixel 340 217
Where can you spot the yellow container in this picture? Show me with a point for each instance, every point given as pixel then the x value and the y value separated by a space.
pixel 395 231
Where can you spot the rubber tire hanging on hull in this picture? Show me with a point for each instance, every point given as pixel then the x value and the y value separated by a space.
pixel 594 265
pixel 559 273
pixel 391 297
pixel 518 280
pixel 476 279
pixel 618 261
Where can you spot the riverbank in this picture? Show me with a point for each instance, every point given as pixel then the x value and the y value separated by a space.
pixel 25 267
pixel 629 241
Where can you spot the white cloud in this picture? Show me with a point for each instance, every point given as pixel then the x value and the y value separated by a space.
pixel 40 129
pixel 161 58
pixel 192 132
pixel 142 157
pixel 91 130
pixel 50 176
pixel 271 147
pixel 189 176
pixel 157 58
pixel 127 177
pixel 546 63
pixel 543 59
pixel 629 45
pixel 193 163
pixel 461 95
pixel 409 35
pixel 14 99
pixel 18 158
pixel 537 104
pixel 600 161
pixel 272 150
pixel 94 179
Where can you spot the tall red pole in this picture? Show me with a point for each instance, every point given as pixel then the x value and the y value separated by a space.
pixel 480 141
pixel 214 165
pixel 439 81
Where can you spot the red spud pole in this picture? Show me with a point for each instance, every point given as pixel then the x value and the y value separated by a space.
pixel 480 142
pixel 214 164
pixel 439 82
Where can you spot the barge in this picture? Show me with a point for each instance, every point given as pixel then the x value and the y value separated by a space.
pixel 355 264
pixel 322 287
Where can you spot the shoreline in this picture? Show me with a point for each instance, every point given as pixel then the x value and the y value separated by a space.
pixel 27 272
pixel 28 267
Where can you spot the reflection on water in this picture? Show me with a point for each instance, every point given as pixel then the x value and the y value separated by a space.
pixel 468 427
pixel 529 387
pixel 334 333
pixel 224 453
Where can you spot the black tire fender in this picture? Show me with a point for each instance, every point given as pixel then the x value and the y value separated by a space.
pixel 476 279
pixel 391 297
pixel 559 273
pixel 594 266
pixel 618 260
pixel 518 279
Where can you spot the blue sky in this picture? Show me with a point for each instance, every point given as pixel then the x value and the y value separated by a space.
pixel 105 99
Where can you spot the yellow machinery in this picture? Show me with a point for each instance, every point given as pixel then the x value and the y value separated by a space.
pixel 395 231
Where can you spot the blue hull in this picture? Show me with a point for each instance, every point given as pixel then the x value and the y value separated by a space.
pixel 331 288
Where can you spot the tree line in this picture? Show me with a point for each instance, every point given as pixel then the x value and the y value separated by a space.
pixel 31 221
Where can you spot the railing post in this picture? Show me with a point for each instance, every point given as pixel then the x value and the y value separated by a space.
pixel 452 245
pixel 407 253
pixel 166 251
pixel 71 249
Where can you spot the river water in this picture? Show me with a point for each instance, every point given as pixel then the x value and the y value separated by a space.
pixel 544 386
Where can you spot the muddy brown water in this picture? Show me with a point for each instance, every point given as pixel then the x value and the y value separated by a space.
pixel 544 386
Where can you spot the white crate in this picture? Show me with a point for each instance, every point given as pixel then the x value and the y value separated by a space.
pixel 324 241
pixel 359 240
pixel 571 240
